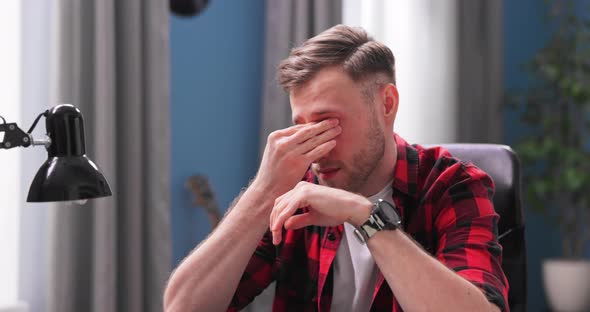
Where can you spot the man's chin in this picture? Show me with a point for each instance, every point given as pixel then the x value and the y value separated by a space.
pixel 333 183
pixel 338 179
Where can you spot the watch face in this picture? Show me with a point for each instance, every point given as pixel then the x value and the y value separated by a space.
pixel 388 215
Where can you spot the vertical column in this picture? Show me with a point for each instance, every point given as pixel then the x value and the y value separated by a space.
pixel 39 81
pixel 10 103
pixel 422 35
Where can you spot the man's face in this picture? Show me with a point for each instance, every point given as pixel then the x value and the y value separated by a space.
pixel 360 146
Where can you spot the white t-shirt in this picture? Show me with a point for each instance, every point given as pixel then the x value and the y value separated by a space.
pixel 355 271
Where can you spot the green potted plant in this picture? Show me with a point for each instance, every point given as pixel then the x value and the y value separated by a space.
pixel 555 152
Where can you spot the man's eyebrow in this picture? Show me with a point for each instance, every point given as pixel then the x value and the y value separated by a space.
pixel 314 114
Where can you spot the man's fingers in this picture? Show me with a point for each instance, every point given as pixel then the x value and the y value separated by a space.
pixel 286 213
pixel 280 198
pixel 299 221
pixel 280 219
pixel 312 130
pixel 325 136
pixel 276 234
pixel 289 131
pixel 280 205
pixel 303 138
pixel 320 151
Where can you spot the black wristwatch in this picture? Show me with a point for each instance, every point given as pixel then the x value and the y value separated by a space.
pixel 383 217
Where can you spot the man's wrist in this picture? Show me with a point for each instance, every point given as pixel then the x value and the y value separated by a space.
pixel 267 189
pixel 265 196
pixel 362 213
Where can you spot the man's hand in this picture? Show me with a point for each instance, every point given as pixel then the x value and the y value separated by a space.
pixel 290 151
pixel 327 207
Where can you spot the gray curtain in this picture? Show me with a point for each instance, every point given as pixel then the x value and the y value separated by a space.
pixel 480 61
pixel 288 24
pixel 113 254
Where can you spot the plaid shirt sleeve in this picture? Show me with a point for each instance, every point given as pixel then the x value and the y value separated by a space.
pixel 262 268
pixel 467 225
pixel 258 275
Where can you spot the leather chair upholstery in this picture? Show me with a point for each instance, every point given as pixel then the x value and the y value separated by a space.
pixel 502 164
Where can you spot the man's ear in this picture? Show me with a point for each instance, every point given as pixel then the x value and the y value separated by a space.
pixel 390 101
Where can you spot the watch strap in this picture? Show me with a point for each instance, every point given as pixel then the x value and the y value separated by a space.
pixel 375 223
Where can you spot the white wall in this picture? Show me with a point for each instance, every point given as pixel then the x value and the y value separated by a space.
pixel 25 84
pixel 38 80
pixel 422 36
pixel 10 162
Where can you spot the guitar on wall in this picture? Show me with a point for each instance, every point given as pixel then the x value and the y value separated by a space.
pixel 204 197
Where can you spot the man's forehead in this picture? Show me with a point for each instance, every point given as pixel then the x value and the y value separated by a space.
pixel 327 92
pixel 316 104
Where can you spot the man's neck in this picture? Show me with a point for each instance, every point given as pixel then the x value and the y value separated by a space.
pixel 384 171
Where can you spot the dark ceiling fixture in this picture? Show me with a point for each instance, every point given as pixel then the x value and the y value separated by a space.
pixel 188 8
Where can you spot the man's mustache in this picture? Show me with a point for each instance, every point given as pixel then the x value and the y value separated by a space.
pixel 326 165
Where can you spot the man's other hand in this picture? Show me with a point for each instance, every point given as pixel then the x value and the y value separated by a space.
pixel 327 207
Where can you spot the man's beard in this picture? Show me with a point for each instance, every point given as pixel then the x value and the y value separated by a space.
pixel 365 161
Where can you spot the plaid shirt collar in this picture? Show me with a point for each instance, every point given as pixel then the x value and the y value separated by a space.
pixel 405 177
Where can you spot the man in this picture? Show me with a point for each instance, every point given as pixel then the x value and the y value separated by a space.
pixel 375 224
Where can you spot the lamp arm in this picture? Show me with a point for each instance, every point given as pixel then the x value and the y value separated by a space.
pixel 15 136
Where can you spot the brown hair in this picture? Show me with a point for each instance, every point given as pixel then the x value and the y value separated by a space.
pixel 351 47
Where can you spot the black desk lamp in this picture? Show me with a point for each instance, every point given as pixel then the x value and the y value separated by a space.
pixel 67 175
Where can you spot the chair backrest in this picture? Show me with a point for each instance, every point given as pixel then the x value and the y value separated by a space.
pixel 502 164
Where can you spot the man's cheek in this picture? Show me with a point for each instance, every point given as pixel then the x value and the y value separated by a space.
pixel 343 138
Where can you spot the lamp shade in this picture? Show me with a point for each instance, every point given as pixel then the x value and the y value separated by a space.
pixel 68 174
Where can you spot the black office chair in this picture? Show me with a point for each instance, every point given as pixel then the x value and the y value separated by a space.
pixel 502 164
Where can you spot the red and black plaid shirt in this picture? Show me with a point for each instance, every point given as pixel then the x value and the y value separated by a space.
pixel 445 206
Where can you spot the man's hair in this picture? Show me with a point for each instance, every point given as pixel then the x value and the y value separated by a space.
pixel 350 47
